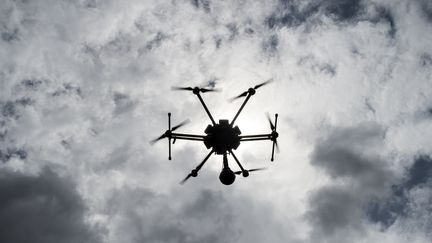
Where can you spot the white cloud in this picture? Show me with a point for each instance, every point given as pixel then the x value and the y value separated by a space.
pixel 84 85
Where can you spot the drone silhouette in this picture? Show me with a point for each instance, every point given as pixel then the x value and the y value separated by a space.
pixel 223 137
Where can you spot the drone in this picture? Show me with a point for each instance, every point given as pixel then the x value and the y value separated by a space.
pixel 221 138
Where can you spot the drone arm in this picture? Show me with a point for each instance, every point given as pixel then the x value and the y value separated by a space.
pixel 241 108
pixel 194 172
pixel 184 136
pixel 238 162
pixel 256 137
pixel 206 109
pixel 169 138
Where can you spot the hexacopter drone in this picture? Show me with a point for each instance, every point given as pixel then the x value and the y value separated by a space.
pixel 222 138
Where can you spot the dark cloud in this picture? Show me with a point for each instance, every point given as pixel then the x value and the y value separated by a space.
pixel 287 14
pixel 202 4
pixel 383 14
pixel 43 208
pixel 369 106
pixel 426 60
pixel 271 44
pixel 68 89
pixel 156 41
pixel 419 173
pixel 10 35
pixel 8 153
pixel 342 10
pixel 426 8
pixel 123 103
pixel 32 84
pixel 398 205
pixel 145 216
pixel 310 62
pixel 345 153
pixel 290 13
pixel 348 155
pixel 11 109
pixel 334 209
pixel 233 30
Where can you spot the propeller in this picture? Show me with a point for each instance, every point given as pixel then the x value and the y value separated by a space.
pixel 263 83
pixel 251 170
pixel 203 90
pixel 272 126
pixel 193 173
pixel 274 135
pixel 166 134
pixel 180 125
pixel 157 139
pixel 251 90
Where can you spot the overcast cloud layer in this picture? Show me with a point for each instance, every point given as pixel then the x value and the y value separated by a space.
pixel 85 85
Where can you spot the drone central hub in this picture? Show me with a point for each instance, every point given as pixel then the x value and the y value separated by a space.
pixel 222 137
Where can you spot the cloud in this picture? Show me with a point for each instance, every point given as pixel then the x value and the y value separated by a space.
pixel 42 208
pixel 365 188
pixel 350 156
pixel 139 215
pixel 86 84
pixel 406 205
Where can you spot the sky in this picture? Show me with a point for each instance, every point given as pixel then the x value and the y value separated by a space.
pixel 86 84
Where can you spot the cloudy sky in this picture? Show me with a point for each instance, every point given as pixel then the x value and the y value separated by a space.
pixel 86 84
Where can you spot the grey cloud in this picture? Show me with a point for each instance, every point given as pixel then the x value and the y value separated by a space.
pixel 271 44
pixel 9 35
pixel 426 60
pixel 384 14
pixel 419 173
pixel 345 153
pixel 400 205
pixel 31 83
pixel 291 13
pixel 68 89
pixel 314 65
pixel 43 208
pixel 426 8
pixel 156 41
pixel 11 109
pixel 202 4
pixel 342 10
pixel 144 216
pixel 123 103
pixel 363 187
pixel 348 155
pixel 334 209
pixel 8 153
pixel 233 29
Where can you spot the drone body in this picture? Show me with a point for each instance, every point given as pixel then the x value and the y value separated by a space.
pixel 222 138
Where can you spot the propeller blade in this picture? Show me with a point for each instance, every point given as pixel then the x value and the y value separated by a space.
pixel 157 139
pixel 204 90
pixel 264 83
pixel 251 170
pixel 277 146
pixel 272 126
pixel 180 125
pixel 182 88
pixel 185 179
pixel 239 96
